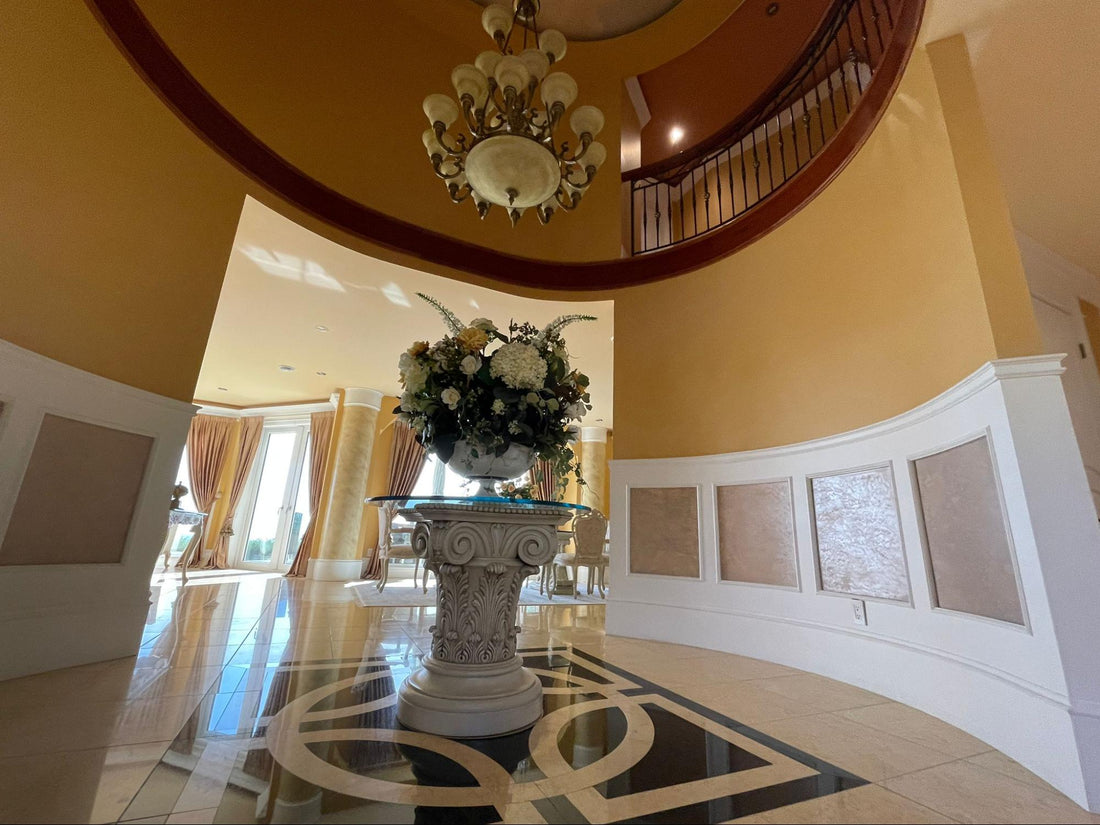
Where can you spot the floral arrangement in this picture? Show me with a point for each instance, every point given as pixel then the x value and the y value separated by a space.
pixel 509 489
pixel 494 389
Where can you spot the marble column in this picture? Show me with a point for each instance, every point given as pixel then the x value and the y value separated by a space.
pixel 594 467
pixel 339 558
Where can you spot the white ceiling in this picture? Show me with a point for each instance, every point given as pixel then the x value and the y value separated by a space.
pixel 595 19
pixel 283 281
pixel 1037 74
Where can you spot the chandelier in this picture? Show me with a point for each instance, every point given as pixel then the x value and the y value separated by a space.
pixel 510 156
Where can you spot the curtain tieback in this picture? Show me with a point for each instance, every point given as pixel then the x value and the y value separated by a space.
pixel 227 528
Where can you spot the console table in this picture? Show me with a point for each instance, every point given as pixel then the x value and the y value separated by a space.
pixel 178 519
pixel 481 549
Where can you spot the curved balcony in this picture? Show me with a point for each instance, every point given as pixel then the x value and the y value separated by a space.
pixel 771 164
pixel 719 181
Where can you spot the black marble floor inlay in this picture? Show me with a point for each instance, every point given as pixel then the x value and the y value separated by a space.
pixel 637 751
pixel 681 752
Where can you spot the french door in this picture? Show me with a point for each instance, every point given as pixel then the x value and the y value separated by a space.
pixel 276 499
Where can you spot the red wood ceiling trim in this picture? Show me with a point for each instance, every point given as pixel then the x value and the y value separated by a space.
pixel 177 87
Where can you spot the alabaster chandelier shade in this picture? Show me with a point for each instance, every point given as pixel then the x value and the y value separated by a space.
pixel 504 149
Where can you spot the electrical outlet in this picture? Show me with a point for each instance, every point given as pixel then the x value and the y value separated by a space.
pixel 859 611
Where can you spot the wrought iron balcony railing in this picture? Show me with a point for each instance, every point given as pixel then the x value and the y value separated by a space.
pixel 738 169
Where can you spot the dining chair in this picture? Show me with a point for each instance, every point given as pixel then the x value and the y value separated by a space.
pixel 589 530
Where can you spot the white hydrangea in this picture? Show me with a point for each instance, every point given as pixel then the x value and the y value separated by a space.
pixel 519 366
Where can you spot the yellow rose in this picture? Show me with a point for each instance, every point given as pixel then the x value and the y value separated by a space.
pixel 473 339
pixel 419 348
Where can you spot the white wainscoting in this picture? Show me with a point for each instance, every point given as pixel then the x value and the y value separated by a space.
pixel 60 615
pixel 1032 692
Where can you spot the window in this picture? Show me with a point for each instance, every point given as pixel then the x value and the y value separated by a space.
pixel 183 476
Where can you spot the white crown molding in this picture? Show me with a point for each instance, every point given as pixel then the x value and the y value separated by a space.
pixel 273 411
pixel 362 397
pixel 597 434
pixel 1031 366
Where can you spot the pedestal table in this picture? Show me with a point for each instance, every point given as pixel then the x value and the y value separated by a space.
pixel 481 549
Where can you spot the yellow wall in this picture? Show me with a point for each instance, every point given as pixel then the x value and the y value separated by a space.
pixel 865 304
pixel 117 221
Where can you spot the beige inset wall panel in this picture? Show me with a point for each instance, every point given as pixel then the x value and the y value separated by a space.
pixel 78 495
pixel 859 548
pixel 664 531
pixel 756 533
pixel 968 546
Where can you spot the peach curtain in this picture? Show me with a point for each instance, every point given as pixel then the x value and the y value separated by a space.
pixel 545 483
pixel 407 459
pixel 320 435
pixel 251 431
pixel 207 446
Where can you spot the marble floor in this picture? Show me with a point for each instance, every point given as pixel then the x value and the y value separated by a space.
pixel 258 699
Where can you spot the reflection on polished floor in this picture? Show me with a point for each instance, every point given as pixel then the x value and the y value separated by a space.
pixel 260 699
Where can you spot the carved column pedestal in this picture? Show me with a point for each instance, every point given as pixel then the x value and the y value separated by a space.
pixel 472 683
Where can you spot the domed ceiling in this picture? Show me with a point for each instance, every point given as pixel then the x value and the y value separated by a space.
pixel 596 19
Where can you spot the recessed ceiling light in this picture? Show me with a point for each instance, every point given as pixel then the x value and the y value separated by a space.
pixel 321 372
pixel 676 134
pixel 285 368
pixel 321 328
pixel 223 389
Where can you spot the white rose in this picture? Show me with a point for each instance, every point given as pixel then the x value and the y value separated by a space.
pixel 483 324
pixel 450 397
pixel 404 362
pixel 470 364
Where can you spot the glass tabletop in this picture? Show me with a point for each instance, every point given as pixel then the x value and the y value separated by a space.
pixel 525 503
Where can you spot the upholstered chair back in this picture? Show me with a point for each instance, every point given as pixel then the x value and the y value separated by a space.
pixel 589 530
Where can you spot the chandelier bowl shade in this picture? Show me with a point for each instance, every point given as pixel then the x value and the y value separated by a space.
pixel 513 171
pixel 505 152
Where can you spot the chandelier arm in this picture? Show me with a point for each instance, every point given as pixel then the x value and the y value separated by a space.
pixel 443 136
pixel 553 116
pixel 437 165
pixel 586 141
pixel 469 113
pixel 589 175
pixel 567 205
